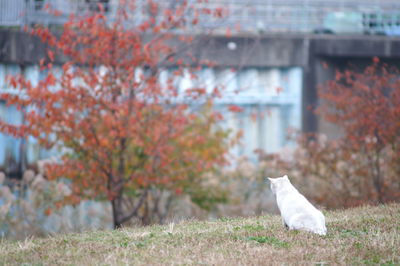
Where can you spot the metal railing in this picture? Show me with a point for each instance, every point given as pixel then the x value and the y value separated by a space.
pixel 252 15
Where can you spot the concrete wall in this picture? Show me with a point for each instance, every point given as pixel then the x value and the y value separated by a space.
pixel 305 51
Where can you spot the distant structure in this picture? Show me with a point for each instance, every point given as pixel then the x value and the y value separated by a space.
pixel 253 16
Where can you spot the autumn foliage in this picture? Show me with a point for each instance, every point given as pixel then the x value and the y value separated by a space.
pixel 366 105
pixel 362 165
pixel 123 131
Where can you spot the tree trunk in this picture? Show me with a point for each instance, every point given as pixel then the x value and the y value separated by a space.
pixel 121 214
pixel 378 179
pixel 117 212
pixel 378 189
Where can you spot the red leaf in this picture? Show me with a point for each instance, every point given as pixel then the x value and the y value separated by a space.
pixel 48 211
pixel 51 55
pixel 178 191
pixel 235 108
pixel 228 33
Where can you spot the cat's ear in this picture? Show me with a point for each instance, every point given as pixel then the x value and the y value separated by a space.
pixel 286 177
pixel 270 179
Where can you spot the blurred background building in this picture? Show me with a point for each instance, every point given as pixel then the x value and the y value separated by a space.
pixel 339 16
pixel 278 49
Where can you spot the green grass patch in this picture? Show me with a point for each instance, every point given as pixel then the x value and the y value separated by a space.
pixel 250 228
pixel 360 236
pixel 269 240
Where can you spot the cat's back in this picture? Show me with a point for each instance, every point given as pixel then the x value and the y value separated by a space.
pixel 294 202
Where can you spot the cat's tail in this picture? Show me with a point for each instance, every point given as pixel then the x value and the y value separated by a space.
pixel 320 227
pixel 308 223
pixel 322 231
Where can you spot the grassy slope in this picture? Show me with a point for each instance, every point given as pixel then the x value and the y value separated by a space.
pixel 356 236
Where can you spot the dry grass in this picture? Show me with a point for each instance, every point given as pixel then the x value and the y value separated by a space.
pixel 367 235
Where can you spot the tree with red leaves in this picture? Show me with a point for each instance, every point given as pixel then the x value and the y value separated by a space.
pixel 366 105
pixel 125 132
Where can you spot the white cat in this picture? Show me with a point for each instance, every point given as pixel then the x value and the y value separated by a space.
pixel 296 211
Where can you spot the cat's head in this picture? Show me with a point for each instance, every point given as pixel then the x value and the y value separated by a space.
pixel 278 183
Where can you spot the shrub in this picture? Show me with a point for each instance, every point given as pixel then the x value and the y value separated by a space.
pixel 30 207
pixel 362 165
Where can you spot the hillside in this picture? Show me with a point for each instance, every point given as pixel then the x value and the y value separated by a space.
pixel 366 235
